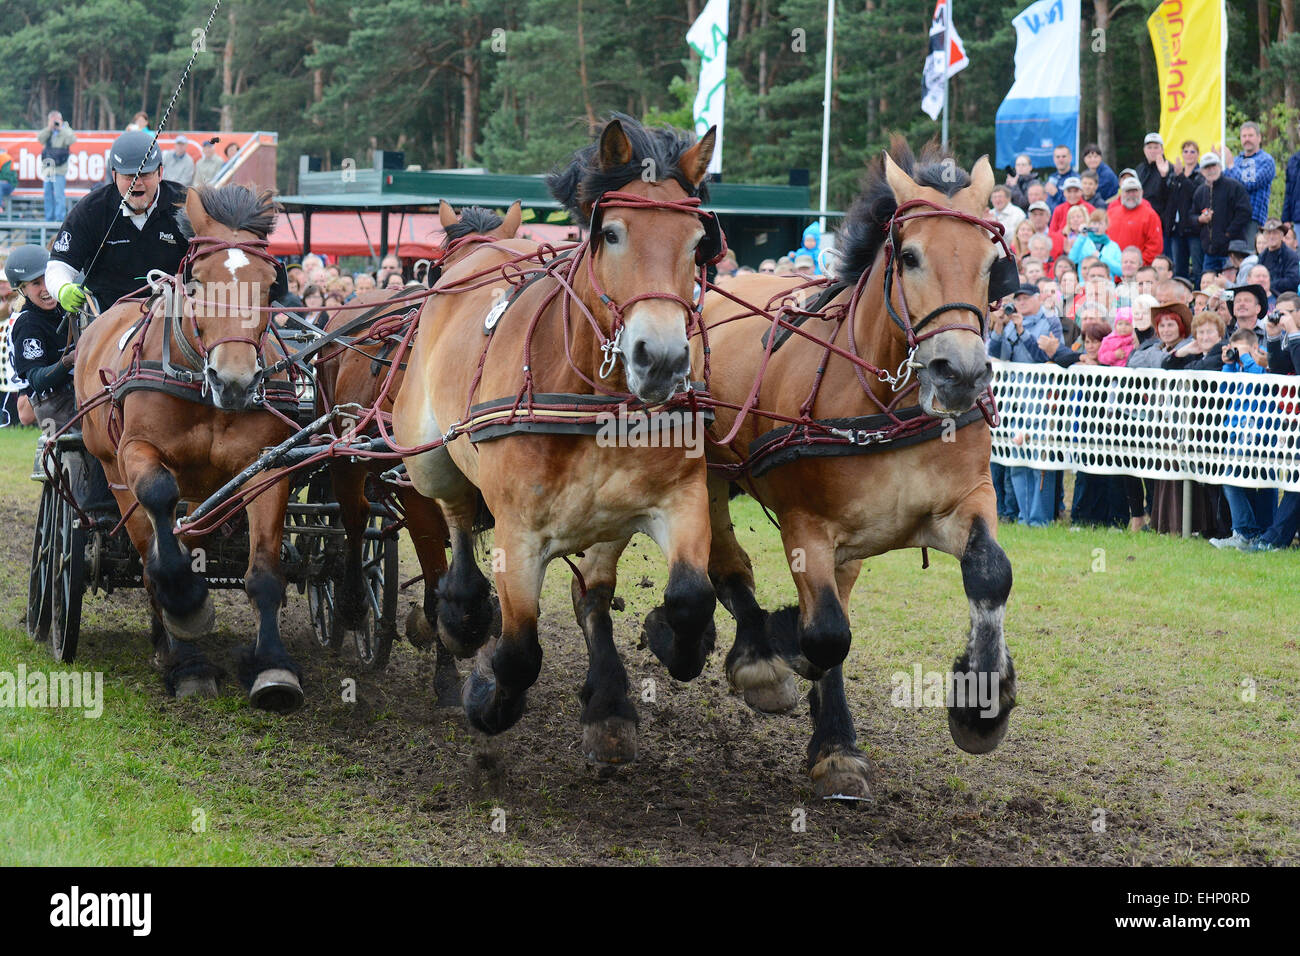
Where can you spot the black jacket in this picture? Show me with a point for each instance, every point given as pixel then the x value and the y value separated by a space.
pixel 1180 209
pixel 1283 268
pixel 1231 204
pixel 1284 354
pixel 128 253
pixel 36 346
pixel 1155 189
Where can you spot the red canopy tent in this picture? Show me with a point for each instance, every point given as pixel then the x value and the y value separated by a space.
pixel 411 235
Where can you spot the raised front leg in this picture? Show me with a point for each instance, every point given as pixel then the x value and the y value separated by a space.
pixel 180 595
pixel 984 677
pixel 680 631
pixel 609 719
pixel 266 670
pixel 507 666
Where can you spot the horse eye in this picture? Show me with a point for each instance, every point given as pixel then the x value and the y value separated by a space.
pixel 610 236
pixel 909 259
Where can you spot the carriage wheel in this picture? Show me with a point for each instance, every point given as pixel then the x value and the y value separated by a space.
pixel 319 557
pixel 374 639
pixel 38 582
pixel 68 582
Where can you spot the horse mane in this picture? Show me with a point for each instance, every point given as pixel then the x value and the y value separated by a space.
pixel 236 207
pixel 578 183
pixel 473 221
pixel 863 232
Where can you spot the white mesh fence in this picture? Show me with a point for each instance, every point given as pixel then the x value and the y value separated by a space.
pixel 1215 427
pixel 9 380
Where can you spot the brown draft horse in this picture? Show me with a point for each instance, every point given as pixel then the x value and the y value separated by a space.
pixel 357 375
pixel 836 511
pixel 556 494
pixel 170 447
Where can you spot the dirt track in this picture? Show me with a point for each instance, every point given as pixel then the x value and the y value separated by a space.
pixel 391 778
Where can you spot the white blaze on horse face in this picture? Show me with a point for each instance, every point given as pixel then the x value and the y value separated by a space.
pixel 235 260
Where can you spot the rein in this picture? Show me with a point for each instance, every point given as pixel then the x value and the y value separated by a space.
pixel 891 426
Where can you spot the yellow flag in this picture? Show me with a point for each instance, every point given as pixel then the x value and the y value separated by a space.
pixel 1190 39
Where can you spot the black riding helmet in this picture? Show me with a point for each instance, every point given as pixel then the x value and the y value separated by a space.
pixel 133 148
pixel 25 264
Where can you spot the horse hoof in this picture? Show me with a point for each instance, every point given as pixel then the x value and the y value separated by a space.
pixel 843 775
pixel 192 626
pixel 276 690
pixel 418 629
pixel 196 687
pixel 975 734
pixel 610 742
pixel 779 699
pixel 446 687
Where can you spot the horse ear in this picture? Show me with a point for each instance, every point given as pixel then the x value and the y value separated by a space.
pixel 510 224
pixel 446 215
pixel 695 161
pixel 981 185
pixel 197 215
pixel 615 148
pixel 902 185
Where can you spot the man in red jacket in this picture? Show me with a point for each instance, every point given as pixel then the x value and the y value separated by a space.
pixel 1133 222
pixel 1073 191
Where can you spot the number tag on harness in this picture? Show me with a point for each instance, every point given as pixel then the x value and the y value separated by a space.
pixel 494 316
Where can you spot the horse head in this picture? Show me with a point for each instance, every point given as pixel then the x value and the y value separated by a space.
pixel 920 225
pixel 233 274
pixel 476 221
pixel 639 189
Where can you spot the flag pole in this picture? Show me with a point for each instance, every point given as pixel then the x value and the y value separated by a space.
pixel 947 22
pixel 826 111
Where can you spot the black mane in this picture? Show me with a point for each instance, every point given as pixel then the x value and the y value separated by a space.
pixel 581 181
pixel 235 206
pixel 863 231
pixel 473 221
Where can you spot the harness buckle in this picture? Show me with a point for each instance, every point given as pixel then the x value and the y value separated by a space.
pixel 612 350
pixel 903 373
pixel 859 436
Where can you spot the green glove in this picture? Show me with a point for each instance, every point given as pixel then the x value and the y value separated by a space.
pixel 72 297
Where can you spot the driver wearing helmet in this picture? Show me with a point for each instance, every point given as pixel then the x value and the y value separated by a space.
pixel 141 223
pixel 40 357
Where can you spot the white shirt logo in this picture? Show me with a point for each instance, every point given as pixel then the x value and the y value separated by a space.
pixel 61 244
pixel 32 349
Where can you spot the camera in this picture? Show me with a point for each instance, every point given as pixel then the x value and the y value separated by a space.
pixel 1232 355
pixel 1009 309
pixel 1275 317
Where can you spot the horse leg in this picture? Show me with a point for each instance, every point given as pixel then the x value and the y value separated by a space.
pixel 508 665
pixel 428 530
pixel 680 631
pixel 609 720
pixel 837 767
pixel 754 668
pixel 186 671
pixel 180 595
pixel 266 670
pixel 463 598
pixel 984 675
pixel 352 602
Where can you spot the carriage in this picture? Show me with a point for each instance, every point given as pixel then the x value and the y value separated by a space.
pixel 74 553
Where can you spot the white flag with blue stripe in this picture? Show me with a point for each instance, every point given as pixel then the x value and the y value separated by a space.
pixel 1041 111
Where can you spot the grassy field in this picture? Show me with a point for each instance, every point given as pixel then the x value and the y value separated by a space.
pixel 1159 692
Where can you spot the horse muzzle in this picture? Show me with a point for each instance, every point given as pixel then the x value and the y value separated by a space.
pixel 951 385
pixel 233 393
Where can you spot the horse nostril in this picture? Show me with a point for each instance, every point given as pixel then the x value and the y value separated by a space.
pixel 942 370
pixel 641 354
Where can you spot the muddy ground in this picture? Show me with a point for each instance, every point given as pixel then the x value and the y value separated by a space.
pixel 392 778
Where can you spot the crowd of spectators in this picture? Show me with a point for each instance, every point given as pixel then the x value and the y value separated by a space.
pixel 1163 265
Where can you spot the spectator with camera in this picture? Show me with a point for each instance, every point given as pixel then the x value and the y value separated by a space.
pixel 1252 508
pixel 1095 242
pixel 56 147
pixel 1249 303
